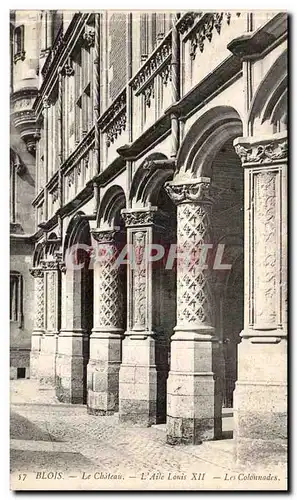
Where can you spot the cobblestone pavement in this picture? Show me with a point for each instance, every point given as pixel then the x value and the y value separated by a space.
pixel 54 438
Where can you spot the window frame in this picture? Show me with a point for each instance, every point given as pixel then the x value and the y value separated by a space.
pixel 16 297
pixel 19 43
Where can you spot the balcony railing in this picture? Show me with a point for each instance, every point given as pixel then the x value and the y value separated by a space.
pixel 113 120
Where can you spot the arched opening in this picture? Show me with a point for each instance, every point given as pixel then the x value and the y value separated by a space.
pixel 110 317
pixel 209 187
pixel 228 231
pixel 77 313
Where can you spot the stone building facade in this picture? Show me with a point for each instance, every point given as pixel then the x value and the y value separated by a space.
pixel 158 130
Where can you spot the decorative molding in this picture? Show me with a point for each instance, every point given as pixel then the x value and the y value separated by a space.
pixel 116 128
pixel 155 61
pixel 149 94
pixel 36 272
pixel 139 278
pixel 195 304
pixel 89 37
pixel 166 75
pixel 50 265
pixel 205 30
pixel 68 69
pixel 101 237
pixel 144 218
pixel 62 267
pixel 268 151
pixel 198 192
pixel 55 195
pixel 187 21
pixel 265 248
pixel 113 120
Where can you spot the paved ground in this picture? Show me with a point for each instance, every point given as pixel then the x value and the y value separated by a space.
pixel 58 446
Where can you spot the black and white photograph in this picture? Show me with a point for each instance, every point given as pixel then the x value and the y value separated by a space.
pixel 148 250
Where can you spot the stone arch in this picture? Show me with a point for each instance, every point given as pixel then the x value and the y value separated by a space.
pixel 269 104
pixel 113 201
pixel 204 139
pixel 51 246
pixel 78 231
pixel 148 179
pixel 38 254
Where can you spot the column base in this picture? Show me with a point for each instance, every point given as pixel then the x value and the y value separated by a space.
pixel 34 365
pixel 260 421
pixel 182 430
pixel 194 390
pixel 143 385
pixel 103 388
pixel 71 366
pixel 103 372
pixel 71 379
pixel 47 362
pixel 35 353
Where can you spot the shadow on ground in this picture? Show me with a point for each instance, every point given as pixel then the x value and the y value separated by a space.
pixel 22 428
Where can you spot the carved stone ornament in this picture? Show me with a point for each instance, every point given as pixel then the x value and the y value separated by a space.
pixel 50 265
pixel 103 236
pixel 205 30
pixel 89 37
pixel 46 102
pixel 262 153
pixel 68 69
pixel 188 193
pixel 62 267
pixel 36 272
pixel 144 218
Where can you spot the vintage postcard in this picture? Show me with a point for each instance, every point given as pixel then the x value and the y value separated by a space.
pixel 148 250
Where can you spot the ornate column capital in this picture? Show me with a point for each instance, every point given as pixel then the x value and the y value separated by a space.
pixel 50 265
pixel 195 191
pixel 104 236
pixel 138 218
pixel 261 151
pixel 36 272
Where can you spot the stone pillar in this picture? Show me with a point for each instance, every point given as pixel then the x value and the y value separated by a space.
pixel 144 367
pixel 73 339
pixel 260 404
pixel 194 395
pixel 106 337
pixel 38 331
pixel 48 348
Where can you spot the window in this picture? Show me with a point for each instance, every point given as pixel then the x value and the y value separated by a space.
pixel 19 52
pixel 16 297
pixel 83 61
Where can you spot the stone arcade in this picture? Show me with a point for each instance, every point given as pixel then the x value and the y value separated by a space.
pixel 181 142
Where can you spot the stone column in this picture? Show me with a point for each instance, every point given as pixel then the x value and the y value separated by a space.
pixel 48 348
pixel 194 396
pixel 260 404
pixel 38 331
pixel 144 368
pixel 73 339
pixel 106 337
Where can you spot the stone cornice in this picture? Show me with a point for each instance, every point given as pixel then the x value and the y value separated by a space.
pixel 262 151
pixel 194 191
pixel 252 45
